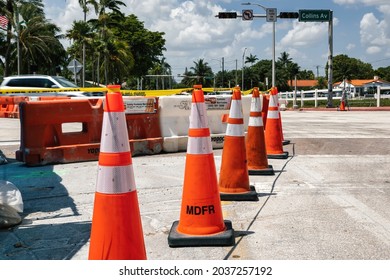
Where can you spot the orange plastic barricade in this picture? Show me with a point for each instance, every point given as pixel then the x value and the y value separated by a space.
pixel 9 106
pixel 63 131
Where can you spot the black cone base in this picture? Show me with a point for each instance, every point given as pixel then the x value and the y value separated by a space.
pixel 225 238
pixel 283 155
pixel 247 196
pixel 265 171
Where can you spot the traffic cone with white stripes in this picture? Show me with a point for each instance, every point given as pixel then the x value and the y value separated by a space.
pixel 273 132
pixel 255 139
pixel 116 232
pixel 234 177
pixel 264 109
pixel 284 141
pixel 201 221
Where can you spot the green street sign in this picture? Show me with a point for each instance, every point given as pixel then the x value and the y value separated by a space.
pixel 314 15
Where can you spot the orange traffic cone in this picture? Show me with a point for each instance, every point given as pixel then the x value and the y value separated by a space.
pixel 264 109
pixel 201 222
pixel 284 141
pixel 116 232
pixel 234 177
pixel 273 133
pixel 255 141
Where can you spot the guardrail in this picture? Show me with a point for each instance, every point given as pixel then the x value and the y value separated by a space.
pixel 321 95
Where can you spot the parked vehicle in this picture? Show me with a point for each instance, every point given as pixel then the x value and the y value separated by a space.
pixel 45 82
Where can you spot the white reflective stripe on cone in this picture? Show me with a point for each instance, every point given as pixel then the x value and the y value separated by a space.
pixel 199 121
pixel 256 105
pixel 199 146
pixel 235 110
pixel 273 114
pixel 115 138
pixel 235 130
pixel 255 121
pixel 115 179
pixel 273 101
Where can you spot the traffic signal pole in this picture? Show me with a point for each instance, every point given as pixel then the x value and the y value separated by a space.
pixel 330 62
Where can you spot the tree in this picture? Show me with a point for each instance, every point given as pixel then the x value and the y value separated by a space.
pixel 345 67
pixel 203 72
pixel 383 73
pixel 263 70
pixel 251 59
pixel 105 22
pixel 84 4
pixel 38 39
pixel 146 46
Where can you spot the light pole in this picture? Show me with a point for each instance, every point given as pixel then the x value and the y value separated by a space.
pixel 273 40
pixel 242 82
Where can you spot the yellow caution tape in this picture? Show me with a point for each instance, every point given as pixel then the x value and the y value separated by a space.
pixel 124 92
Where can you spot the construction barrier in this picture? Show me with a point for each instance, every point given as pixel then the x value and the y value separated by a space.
pixel 62 131
pixel 175 113
pixel 9 106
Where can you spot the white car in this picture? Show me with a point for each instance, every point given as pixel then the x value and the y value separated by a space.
pixel 45 82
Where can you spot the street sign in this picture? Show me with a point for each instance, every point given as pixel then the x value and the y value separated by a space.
pixel 247 14
pixel 314 15
pixel 271 14
pixel 75 66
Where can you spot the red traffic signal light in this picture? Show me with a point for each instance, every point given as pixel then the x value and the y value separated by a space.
pixel 289 15
pixel 227 15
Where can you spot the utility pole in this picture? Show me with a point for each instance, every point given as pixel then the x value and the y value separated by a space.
pixel 242 71
pixel 223 69
pixel 330 62
pixel 17 36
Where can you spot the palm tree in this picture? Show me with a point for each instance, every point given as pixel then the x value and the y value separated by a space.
pixel 81 34
pixel 38 39
pixel 203 72
pixel 105 20
pixel 284 59
pixel 251 59
pixel 84 5
pixel 40 45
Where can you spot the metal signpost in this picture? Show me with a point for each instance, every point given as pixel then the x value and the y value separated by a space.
pixel 75 66
pixel 323 16
pixel 271 16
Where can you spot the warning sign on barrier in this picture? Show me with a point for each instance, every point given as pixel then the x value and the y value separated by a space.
pixel 139 106
pixel 217 103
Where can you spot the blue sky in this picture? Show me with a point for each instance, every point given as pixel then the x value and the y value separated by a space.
pixel 361 29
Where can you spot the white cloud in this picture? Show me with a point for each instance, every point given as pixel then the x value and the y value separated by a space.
pixel 350 46
pixel 373 50
pixel 304 34
pixel 374 34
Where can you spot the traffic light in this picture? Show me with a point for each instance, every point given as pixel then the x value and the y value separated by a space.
pixel 227 15
pixel 289 15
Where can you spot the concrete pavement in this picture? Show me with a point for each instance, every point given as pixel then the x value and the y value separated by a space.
pixel 329 200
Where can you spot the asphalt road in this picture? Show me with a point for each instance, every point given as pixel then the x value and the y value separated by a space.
pixel 329 200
